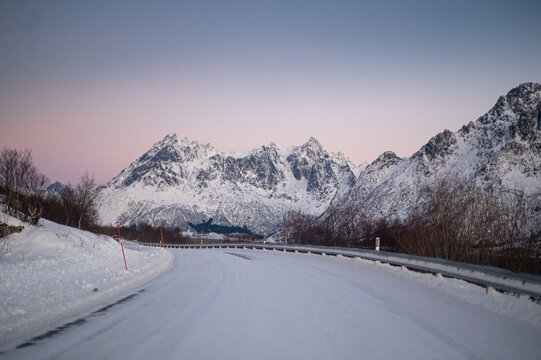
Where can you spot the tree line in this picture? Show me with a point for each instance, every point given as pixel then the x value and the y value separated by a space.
pixel 143 232
pixel 459 221
pixel 24 193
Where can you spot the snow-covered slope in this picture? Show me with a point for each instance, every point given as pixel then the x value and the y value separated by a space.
pixel 500 150
pixel 179 181
pixel 52 272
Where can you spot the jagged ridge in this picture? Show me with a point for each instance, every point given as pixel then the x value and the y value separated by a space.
pixel 179 181
pixel 501 151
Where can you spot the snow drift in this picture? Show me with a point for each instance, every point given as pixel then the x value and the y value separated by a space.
pixel 51 272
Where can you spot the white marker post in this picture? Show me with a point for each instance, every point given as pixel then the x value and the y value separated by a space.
pixel 122 246
pixel 377 244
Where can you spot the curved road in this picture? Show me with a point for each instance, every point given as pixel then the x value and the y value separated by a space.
pixel 255 304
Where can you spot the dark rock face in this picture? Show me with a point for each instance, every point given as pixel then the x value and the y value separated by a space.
pixel 438 147
pixel 302 160
pixel 385 160
pixel 527 124
pixel 258 169
pixel 323 171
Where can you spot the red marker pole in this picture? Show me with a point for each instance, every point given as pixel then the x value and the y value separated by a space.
pixel 122 246
pixel 163 244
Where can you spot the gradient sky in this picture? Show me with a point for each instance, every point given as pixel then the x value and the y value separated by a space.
pixel 91 85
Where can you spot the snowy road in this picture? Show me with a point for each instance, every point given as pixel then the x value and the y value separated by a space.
pixel 255 304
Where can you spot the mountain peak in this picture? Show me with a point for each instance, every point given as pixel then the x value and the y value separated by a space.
pixel 171 135
pixel 167 140
pixel 438 146
pixel 55 187
pixel 182 145
pixel 312 148
pixel 523 96
pixel 388 158
pixel 525 89
pixel 312 141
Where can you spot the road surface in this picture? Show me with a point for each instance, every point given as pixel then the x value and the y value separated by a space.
pixel 259 304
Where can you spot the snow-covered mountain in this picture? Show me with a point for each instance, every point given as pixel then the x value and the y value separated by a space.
pixel 179 181
pixel 55 187
pixel 501 150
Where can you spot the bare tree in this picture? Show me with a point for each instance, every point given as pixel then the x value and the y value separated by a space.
pixel 86 196
pixel 343 226
pixel 68 201
pixel 35 193
pixel 463 222
pixel 24 170
pixel 299 228
pixel 9 160
pixel 22 183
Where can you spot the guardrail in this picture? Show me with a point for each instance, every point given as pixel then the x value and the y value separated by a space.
pixel 491 278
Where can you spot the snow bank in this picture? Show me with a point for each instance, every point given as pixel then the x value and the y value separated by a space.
pixel 52 272
pixel 520 308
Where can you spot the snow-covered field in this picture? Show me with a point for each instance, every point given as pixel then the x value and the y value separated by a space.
pixel 261 304
pixel 50 273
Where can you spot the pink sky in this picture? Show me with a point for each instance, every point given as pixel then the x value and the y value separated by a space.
pixel 91 86
pixel 103 130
